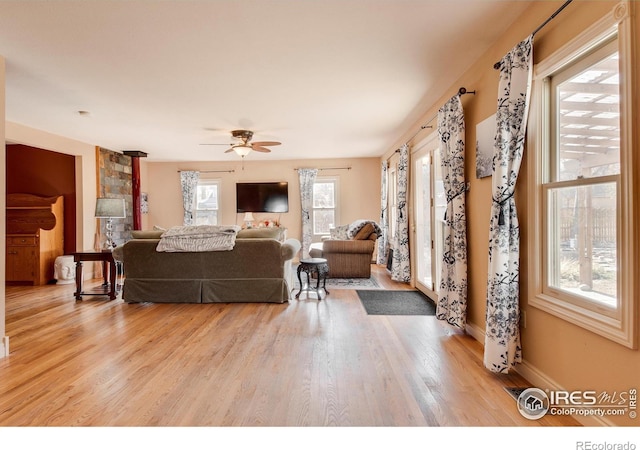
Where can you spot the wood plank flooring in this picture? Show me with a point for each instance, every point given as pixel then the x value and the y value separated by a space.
pixel 305 363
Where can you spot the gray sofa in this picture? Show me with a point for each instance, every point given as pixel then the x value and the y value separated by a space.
pixel 256 270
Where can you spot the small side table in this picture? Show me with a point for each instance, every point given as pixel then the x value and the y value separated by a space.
pixel 318 266
pixel 110 282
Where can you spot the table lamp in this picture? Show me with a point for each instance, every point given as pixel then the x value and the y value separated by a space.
pixel 110 208
pixel 248 219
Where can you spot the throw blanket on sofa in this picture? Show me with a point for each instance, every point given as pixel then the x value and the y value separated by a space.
pixel 198 238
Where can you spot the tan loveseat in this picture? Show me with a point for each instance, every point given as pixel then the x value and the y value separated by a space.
pixel 257 269
pixel 349 255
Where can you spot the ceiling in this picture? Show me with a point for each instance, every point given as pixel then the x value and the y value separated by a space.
pixel 328 79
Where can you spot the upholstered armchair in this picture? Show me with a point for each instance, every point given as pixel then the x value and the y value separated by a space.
pixel 349 251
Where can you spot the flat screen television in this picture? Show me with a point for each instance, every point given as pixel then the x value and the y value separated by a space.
pixel 272 197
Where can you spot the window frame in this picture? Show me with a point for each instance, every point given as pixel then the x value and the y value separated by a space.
pixel 210 182
pixel 618 325
pixel 336 196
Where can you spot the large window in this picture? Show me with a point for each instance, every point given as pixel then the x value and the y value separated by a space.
pixel 207 202
pixel 325 195
pixel 580 214
pixel 581 183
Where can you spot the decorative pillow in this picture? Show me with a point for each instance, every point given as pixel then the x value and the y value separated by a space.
pixel 364 232
pixel 355 226
pixel 148 234
pixel 339 232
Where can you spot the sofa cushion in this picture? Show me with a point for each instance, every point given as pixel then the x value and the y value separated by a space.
pixel 364 232
pixel 146 234
pixel 260 233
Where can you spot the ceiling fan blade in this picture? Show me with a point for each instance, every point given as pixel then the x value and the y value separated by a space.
pixel 214 144
pixel 257 148
pixel 229 150
pixel 265 143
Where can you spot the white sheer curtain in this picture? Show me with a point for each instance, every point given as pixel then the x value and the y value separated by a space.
pixel 401 263
pixel 189 184
pixel 452 302
pixel 383 239
pixel 307 178
pixel 502 336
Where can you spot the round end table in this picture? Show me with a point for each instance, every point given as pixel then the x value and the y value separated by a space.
pixel 309 266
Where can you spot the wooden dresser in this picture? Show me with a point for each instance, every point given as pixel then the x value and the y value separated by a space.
pixel 35 238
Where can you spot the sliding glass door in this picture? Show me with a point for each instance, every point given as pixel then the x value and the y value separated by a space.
pixel 429 206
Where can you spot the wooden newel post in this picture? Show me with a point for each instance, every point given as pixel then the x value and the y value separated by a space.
pixel 135 178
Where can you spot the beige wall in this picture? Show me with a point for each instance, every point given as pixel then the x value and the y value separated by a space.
pixel 359 188
pixel 557 354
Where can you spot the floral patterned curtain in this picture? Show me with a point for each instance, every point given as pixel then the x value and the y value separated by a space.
pixel 307 178
pixel 502 336
pixel 452 302
pixel 384 219
pixel 189 184
pixel 401 264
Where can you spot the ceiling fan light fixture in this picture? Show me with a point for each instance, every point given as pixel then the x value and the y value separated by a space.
pixel 242 149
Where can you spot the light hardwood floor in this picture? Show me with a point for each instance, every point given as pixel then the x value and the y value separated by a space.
pixel 305 363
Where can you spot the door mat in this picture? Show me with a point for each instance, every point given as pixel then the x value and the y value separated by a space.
pixel 396 303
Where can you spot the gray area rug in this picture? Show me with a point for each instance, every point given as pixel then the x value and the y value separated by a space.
pixel 396 303
pixel 341 283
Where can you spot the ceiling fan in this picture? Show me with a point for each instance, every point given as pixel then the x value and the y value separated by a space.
pixel 243 146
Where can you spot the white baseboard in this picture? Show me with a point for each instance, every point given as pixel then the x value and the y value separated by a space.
pixel 540 380
pixel 4 347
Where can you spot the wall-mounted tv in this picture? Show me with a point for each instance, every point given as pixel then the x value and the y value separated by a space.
pixel 272 197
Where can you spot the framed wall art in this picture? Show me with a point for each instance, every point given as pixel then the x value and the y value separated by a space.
pixel 485 135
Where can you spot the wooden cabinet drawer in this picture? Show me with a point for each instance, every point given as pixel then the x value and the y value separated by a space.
pixel 22 240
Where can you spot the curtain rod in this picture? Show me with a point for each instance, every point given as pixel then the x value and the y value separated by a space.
pixel 208 171
pixel 328 168
pixel 549 19
pixel 461 91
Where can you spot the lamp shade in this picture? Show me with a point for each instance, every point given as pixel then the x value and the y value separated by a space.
pixel 248 217
pixel 110 207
